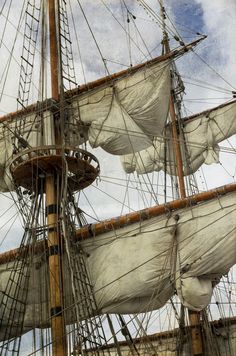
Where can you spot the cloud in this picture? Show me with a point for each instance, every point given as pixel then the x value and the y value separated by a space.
pixel 220 20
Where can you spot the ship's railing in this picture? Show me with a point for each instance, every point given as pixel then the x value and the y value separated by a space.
pixel 54 150
pixel 30 164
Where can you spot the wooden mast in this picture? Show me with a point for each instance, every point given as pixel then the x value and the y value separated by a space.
pixel 194 317
pixel 52 209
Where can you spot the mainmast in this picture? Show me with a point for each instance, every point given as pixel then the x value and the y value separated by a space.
pixel 58 328
pixel 42 171
pixel 194 317
pixel 54 57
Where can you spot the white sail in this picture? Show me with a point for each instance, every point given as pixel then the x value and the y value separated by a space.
pixel 138 268
pixel 124 116
pixel 114 122
pixel 199 143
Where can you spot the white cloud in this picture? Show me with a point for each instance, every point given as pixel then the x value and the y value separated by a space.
pixel 220 22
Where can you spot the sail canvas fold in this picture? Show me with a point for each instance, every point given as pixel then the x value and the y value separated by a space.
pixel 121 117
pixel 121 113
pixel 132 270
pixel 124 116
pixel 117 132
pixel 194 293
pixel 199 143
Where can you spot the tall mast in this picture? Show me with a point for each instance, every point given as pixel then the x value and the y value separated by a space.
pixel 176 144
pixel 52 210
pixel 54 62
pixel 194 317
pixel 42 172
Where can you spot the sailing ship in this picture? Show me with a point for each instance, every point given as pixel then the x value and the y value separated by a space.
pixel 84 284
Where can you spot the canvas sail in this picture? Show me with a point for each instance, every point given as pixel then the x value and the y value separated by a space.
pixel 123 117
pixel 199 143
pixel 138 268
pixel 122 114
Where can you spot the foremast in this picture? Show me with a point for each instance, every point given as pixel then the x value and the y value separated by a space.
pixel 194 317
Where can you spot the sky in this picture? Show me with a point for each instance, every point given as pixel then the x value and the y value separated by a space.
pixel 214 62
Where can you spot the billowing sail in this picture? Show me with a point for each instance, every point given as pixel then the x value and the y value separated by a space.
pixel 199 143
pixel 137 268
pixel 124 117
pixel 120 113
pixel 121 117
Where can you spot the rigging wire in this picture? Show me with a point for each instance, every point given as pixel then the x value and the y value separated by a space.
pixel 158 19
pixel 11 51
pixel 209 85
pixel 127 34
pixel 5 24
pixel 77 42
pixel 93 36
pixel 213 70
pixel 206 87
pixel 133 18
pixel 7 67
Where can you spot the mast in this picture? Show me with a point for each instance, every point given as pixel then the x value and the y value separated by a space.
pixel 52 210
pixel 42 173
pixel 194 317
pixel 178 156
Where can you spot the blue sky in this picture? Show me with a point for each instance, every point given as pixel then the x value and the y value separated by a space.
pixel 190 14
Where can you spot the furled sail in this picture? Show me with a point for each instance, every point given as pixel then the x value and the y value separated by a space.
pixel 138 267
pixel 199 143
